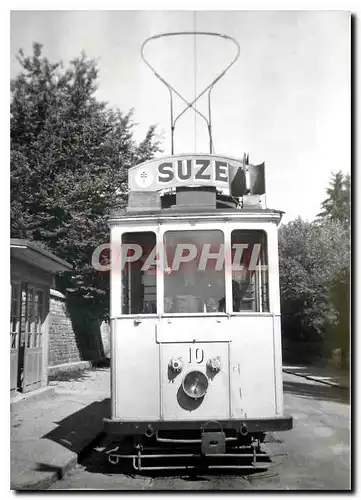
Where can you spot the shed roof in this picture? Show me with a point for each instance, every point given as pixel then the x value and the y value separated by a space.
pixel 35 255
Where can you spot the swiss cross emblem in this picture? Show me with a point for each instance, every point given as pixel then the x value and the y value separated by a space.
pixel 143 178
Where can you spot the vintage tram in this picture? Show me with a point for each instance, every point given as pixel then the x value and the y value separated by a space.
pixel 196 359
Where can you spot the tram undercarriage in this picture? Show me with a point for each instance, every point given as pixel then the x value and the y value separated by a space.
pixel 207 449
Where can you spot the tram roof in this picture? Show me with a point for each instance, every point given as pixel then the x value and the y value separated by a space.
pixel 247 213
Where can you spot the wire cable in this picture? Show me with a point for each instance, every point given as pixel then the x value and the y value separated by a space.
pixel 195 78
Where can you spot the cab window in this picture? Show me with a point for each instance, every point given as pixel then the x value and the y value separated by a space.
pixel 250 282
pixel 194 276
pixel 139 287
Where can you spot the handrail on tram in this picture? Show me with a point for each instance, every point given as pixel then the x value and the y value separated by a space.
pixel 209 88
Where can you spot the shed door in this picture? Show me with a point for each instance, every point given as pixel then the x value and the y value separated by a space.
pixel 33 338
pixel 14 334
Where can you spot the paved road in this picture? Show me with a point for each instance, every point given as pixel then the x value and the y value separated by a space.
pixel 314 455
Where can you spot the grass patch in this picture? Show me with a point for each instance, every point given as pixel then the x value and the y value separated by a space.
pixel 69 376
pixel 78 373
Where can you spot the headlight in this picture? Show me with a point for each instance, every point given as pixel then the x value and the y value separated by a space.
pixel 195 384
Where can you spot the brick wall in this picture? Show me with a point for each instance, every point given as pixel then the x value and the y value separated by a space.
pixel 63 347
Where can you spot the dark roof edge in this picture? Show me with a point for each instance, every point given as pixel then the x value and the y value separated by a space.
pixel 16 242
pixel 188 211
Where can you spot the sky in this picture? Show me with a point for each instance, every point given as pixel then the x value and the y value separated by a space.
pixel 286 100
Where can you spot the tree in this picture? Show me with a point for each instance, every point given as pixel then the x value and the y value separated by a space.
pixel 70 155
pixel 337 205
pixel 314 259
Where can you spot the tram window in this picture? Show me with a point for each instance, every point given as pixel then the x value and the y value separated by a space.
pixel 139 291
pixel 250 287
pixel 194 277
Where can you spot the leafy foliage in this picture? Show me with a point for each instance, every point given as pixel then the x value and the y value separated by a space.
pixel 69 159
pixel 337 205
pixel 315 272
pixel 314 259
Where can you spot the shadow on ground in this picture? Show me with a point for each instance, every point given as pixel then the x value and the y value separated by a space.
pixel 50 468
pixel 75 431
pixel 316 391
pixel 337 375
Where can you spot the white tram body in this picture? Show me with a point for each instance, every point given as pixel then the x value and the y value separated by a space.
pixel 195 303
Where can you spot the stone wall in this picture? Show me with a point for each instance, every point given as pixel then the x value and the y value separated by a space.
pixel 73 339
pixel 63 347
pixel 105 335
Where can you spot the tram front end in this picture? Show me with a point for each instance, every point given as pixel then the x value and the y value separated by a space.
pixel 196 358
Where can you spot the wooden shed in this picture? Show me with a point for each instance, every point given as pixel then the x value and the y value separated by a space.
pixel 32 275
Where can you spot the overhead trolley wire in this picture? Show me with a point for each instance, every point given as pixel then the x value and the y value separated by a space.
pixel 195 78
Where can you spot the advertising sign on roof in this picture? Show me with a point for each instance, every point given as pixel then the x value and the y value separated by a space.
pixel 181 170
pixel 190 170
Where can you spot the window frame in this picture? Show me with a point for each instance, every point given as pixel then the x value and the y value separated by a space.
pixel 161 297
pixel 268 281
pixel 122 302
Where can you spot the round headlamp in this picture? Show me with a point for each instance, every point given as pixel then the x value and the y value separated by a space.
pixel 195 384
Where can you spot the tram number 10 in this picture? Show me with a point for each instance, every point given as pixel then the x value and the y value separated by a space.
pixel 195 355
